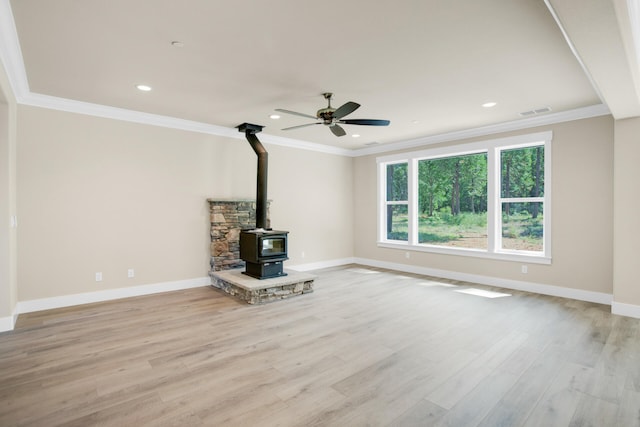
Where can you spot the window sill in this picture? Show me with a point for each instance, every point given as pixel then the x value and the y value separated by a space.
pixel 529 258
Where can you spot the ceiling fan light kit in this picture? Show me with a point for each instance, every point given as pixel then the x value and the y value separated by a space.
pixel 332 117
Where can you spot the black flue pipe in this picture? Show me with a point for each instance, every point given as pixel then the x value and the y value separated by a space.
pixel 263 160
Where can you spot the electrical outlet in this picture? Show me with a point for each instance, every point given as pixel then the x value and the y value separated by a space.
pixel 525 269
pixel 407 255
pixel 131 273
pixel 99 277
pixel 302 254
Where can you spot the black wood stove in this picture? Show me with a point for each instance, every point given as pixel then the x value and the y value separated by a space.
pixel 262 249
pixel 263 252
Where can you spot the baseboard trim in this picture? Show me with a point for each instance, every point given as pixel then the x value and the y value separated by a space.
pixel 557 291
pixel 628 310
pixel 108 295
pixel 7 323
pixel 322 264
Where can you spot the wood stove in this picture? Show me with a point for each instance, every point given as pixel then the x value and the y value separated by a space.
pixel 263 252
pixel 262 249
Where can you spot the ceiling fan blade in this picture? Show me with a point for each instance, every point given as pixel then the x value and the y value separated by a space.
pixel 295 113
pixel 345 109
pixel 366 122
pixel 301 126
pixel 337 130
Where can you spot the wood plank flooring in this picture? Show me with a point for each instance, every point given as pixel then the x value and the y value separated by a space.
pixel 368 348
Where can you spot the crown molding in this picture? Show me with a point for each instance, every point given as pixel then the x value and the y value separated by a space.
pixel 10 53
pixel 305 145
pixel 573 49
pixel 79 107
pixel 530 122
pixel 97 110
pixel 11 57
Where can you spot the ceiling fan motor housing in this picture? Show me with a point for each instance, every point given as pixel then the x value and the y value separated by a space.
pixel 326 115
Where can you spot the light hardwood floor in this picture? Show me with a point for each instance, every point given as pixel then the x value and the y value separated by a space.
pixel 368 347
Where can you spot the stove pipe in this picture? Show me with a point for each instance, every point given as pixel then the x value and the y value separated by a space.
pixel 263 159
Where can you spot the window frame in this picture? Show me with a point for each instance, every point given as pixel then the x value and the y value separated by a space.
pixel 493 148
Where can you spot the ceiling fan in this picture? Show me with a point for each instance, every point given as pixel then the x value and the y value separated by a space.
pixel 333 117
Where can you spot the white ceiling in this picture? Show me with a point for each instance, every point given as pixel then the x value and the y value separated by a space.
pixel 426 65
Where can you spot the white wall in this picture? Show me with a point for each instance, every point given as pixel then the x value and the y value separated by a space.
pixel 96 194
pixel 8 282
pixel 627 205
pixel 100 195
pixel 582 215
pixel 312 198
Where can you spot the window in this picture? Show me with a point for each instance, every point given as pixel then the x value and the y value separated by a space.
pixel 396 202
pixel 452 201
pixel 487 199
pixel 522 198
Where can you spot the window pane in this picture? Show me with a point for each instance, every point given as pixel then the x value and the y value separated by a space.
pixel 452 197
pixel 397 222
pixel 522 172
pixel 397 187
pixel 522 226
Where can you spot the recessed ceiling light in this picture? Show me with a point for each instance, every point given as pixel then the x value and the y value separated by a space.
pixel 143 88
pixel 355 135
pixel 274 116
pixel 415 122
pixel 489 104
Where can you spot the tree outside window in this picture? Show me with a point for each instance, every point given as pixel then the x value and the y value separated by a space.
pixel 452 195
pixel 522 198
pixel 396 201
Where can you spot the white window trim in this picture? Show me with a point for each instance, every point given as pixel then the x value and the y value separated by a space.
pixel 492 148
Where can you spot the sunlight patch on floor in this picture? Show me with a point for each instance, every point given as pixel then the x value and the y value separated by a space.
pixel 482 293
pixel 430 284
pixel 362 271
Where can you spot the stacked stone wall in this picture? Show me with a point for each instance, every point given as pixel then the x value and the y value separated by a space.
pixel 228 218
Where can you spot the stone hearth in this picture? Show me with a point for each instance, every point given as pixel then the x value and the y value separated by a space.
pixel 228 218
pixel 254 291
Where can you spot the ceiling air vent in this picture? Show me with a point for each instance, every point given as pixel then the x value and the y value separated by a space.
pixel 535 112
pixel 369 144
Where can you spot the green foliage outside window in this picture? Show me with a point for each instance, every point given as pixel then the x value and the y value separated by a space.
pixel 453 200
pixel 397 179
pixel 397 191
pixel 452 197
pixel 522 177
